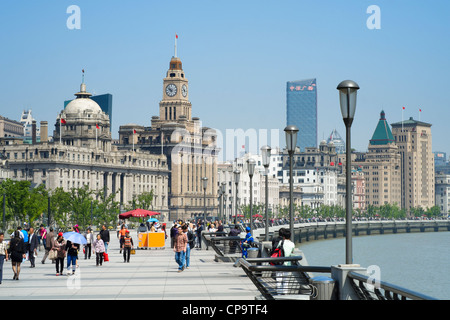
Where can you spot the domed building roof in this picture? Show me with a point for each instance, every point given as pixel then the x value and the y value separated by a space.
pixel 83 103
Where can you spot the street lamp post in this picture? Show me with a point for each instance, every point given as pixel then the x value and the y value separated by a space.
pixel 291 142
pixel 347 98
pixel 237 174
pixel 224 201
pixel 231 209
pixel 265 152
pixel 205 185
pixel 251 163
pixel 220 201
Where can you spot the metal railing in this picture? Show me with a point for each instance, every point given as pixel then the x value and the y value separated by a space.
pixel 277 280
pixel 226 245
pixel 367 289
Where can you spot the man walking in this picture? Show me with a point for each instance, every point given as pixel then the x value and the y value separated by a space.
pixel 49 242
pixel 104 234
pixel 33 244
pixel 180 244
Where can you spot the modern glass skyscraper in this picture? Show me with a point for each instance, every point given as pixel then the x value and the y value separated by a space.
pixel 301 102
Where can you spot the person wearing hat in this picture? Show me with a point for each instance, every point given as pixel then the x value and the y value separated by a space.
pixel 247 242
pixel 60 246
pixel 126 247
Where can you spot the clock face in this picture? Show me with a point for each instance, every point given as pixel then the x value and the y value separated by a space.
pixel 171 90
pixel 184 90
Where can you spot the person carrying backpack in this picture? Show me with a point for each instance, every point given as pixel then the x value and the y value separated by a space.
pixel 287 248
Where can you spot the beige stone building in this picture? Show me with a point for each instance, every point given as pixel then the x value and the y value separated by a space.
pixel 81 153
pixel 189 147
pixel 413 139
pixel 382 167
pixel 10 128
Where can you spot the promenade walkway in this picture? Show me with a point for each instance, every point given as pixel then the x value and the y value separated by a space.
pixel 151 274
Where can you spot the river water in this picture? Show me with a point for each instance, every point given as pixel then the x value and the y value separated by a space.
pixel 416 261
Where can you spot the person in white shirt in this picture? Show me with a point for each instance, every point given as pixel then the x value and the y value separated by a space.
pixel 288 250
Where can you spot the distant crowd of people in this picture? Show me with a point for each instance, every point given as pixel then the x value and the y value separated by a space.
pixel 26 242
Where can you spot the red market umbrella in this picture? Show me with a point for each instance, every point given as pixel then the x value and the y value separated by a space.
pixel 257 215
pixel 137 213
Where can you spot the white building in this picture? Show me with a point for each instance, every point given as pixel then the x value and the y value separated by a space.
pixel 443 192
pixel 243 193
pixel 27 120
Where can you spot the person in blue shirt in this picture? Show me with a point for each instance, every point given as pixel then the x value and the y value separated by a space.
pixel 247 242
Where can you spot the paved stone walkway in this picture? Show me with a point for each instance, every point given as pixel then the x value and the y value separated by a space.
pixel 151 274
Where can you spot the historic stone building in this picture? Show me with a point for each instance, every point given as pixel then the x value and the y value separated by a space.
pixel 417 177
pixel 81 153
pixel 190 148
pixel 382 167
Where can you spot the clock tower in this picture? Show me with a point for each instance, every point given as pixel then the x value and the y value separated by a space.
pixel 175 101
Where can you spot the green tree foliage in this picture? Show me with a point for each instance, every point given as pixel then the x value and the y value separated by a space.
pixel 80 206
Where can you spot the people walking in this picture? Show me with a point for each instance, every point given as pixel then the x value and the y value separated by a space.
pixel 127 246
pixel 33 245
pixel 3 254
pixel 122 234
pixel 99 249
pixel 17 251
pixel 190 245
pixel 49 242
pixel 88 246
pixel 199 234
pixel 42 236
pixel 59 245
pixel 173 234
pixel 72 256
pixel 104 233
pixel 180 248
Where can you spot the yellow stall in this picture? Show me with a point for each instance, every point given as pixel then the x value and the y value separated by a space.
pixel 156 240
pixel 143 240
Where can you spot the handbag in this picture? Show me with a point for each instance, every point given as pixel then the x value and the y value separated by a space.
pixel 53 254
pixel 105 256
pixel 132 251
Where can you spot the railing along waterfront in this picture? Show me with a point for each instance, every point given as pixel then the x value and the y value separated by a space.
pixel 367 289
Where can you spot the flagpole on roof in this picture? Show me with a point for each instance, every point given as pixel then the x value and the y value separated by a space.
pixel 403 108
pixel 176 37
pixel 60 125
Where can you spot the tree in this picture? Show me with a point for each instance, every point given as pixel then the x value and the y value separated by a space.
pixel 60 206
pixel 80 204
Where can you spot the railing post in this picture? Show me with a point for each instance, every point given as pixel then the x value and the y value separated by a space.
pixel 339 274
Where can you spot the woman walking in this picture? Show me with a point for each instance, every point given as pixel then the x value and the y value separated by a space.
pixel 127 245
pixel 88 246
pixel 72 256
pixel 99 249
pixel 3 254
pixel 60 247
pixel 17 250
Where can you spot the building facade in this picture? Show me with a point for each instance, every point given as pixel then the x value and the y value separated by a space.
pixel 414 141
pixel 10 128
pixel 81 154
pixel 189 147
pixel 382 167
pixel 443 193
pixel 301 107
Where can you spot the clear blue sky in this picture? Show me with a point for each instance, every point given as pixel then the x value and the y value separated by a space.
pixel 237 55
